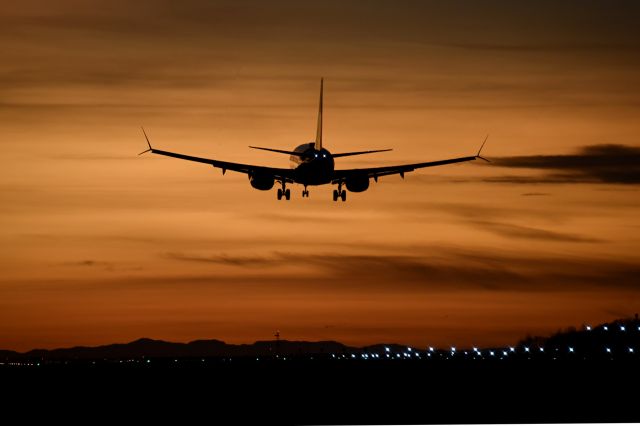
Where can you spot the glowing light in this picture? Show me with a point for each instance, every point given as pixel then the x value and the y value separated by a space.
pixel 622 328
pixel 386 349
pixel 453 348
pixel 588 328
pixel 430 349
pixel 605 328
pixel 630 350
pixel 541 349
pixel 511 349
pixel 409 349
pixel 504 353
pixel 570 349
pixel 475 349
pixel 526 349
pixel 608 350
pixel 353 356
pixel 491 353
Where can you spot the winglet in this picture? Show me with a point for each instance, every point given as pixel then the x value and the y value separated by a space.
pixel 482 146
pixel 148 143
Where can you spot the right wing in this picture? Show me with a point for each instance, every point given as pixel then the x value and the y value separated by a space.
pixel 375 172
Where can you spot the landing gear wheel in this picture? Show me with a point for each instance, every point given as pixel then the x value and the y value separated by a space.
pixel 287 194
pixel 305 193
pixel 343 195
pixel 335 195
pixel 279 194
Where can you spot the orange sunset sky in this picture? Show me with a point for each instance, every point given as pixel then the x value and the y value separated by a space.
pixel 99 245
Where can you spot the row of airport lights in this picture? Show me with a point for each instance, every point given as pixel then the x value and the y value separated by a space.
pixel 409 353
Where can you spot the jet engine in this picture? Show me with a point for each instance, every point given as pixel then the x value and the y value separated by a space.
pixel 358 183
pixel 263 182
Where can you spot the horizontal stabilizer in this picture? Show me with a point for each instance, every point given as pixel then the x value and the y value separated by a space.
pixel 281 151
pixel 347 154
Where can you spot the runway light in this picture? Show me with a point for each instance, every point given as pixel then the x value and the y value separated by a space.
pixel 541 349
pixel 409 349
pixel 526 349
pixel 622 328
pixel 491 353
pixel 608 350
pixel 630 350
pixel 453 348
pixel 570 349
pixel 605 328
pixel 353 356
pixel 475 349
pixel 386 349
pixel 504 353
pixel 512 349
pixel 588 328
pixel 430 349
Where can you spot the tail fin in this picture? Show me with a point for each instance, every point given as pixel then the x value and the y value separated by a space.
pixel 318 145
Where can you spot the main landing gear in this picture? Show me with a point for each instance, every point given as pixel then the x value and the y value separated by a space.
pixel 284 192
pixel 305 192
pixel 339 193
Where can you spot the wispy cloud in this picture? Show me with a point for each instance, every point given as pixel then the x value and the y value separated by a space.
pixel 560 47
pixel 612 163
pixel 518 231
pixel 440 269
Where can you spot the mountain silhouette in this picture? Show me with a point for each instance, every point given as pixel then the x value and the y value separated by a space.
pixel 617 338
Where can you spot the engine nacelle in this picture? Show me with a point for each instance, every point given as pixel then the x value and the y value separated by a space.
pixel 357 183
pixel 263 182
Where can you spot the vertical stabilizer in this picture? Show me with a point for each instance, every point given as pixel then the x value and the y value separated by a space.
pixel 318 146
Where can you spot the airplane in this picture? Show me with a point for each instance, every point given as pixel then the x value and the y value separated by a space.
pixel 312 165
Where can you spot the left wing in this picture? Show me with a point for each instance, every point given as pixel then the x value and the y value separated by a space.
pixel 375 172
pixel 249 169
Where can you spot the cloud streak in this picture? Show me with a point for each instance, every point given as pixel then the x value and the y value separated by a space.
pixel 612 163
pixel 439 269
pixel 518 231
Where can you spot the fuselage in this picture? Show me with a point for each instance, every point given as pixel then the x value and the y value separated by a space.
pixel 312 167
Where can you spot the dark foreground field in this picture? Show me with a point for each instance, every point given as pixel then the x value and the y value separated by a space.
pixel 326 391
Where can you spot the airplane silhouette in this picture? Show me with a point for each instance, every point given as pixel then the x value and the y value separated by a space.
pixel 313 165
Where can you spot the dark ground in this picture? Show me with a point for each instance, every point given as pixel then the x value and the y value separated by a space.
pixel 342 392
